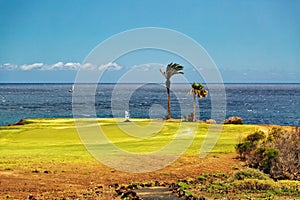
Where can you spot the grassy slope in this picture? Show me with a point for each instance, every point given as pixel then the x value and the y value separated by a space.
pixel 57 140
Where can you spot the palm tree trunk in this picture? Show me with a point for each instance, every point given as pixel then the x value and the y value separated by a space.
pixel 169 104
pixel 195 106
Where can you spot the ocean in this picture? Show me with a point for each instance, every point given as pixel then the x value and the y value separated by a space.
pixel 254 103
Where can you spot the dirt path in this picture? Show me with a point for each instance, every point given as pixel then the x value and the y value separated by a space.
pixel 154 193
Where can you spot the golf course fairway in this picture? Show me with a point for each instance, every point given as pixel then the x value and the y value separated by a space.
pixel 47 157
pixel 57 140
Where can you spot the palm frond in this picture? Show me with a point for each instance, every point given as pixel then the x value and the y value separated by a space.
pixel 175 66
pixel 198 90
pixel 172 69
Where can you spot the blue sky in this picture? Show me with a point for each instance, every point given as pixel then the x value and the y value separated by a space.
pixel 250 41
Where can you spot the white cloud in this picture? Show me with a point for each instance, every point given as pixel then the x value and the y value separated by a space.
pixel 32 66
pixel 88 66
pixel 111 66
pixel 147 67
pixel 62 66
pixel 72 66
pixel 58 65
pixel 8 66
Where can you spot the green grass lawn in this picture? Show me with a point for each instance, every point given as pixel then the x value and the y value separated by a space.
pixel 57 140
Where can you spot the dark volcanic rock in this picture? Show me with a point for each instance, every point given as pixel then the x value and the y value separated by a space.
pixel 21 122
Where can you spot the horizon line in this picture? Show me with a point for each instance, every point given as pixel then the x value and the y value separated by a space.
pixel 147 83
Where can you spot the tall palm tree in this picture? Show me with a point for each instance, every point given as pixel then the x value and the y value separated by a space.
pixel 171 69
pixel 197 90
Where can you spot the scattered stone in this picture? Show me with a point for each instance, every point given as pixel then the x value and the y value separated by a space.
pixel 146 184
pixel 156 183
pixel 164 184
pixel 120 191
pixel 154 190
pixel 100 186
pixel 116 185
pixel 97 192
pixel 180 192
pixel 31 197
pixel 130 187
pixel 127 192
pixel 173 187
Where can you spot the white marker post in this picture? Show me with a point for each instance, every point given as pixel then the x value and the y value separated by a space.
pixel 127 116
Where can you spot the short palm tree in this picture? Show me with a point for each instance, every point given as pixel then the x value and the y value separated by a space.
pixel 171 69
pixel 197 90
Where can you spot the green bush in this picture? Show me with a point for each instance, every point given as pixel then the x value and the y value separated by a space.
pixel 289 185
pixel 217 186
pixel 244 149
pixel 249 144
pixel 255 137
pixel 249 173
pixel 282 186
pixel 278 154
pixel 201 178
pixel 254 184
pixel 264 158
pixel 184 185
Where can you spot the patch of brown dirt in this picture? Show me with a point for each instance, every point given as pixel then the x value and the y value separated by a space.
pixel 92 181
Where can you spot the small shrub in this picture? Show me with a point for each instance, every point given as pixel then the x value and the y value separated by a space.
pixel 217 186
pixel 254 184
pixel 264 158
pixel 249 173
pixel 283 186
pixel 201 178
pixel 288 185
pixel 249 144
pixel 184 185
pixel 235 167
pixel 219 175
pixel 255 137
pixel 244 149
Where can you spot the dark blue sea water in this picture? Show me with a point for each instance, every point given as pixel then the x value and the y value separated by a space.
pixel 255 103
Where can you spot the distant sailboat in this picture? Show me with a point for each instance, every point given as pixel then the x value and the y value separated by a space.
pixel 72 89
